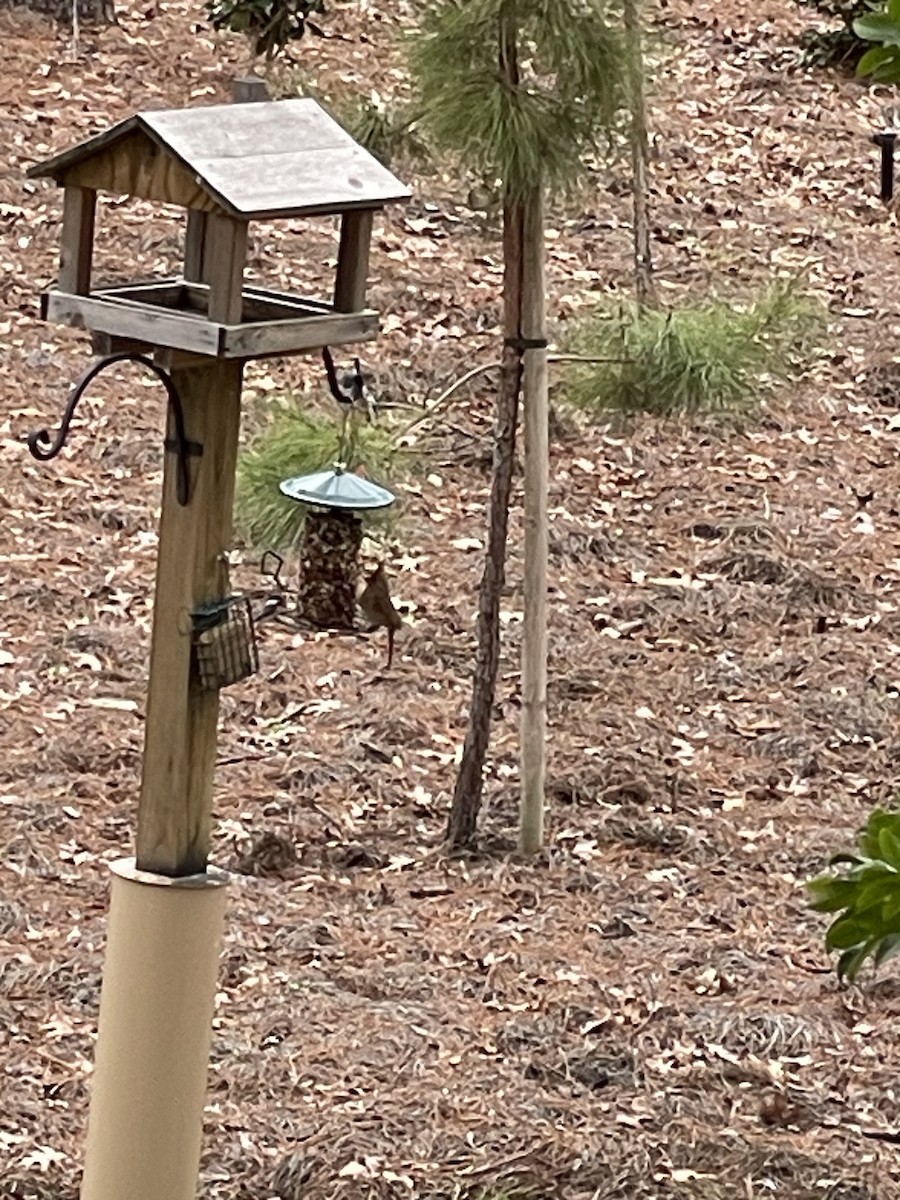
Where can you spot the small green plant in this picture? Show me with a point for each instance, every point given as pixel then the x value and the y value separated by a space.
pixel 388 131
pixel 270 25
pixel 867 896
pixel 881 62
pixel 568 86
pixel 717 358
pixel 839 47
pixel 298 443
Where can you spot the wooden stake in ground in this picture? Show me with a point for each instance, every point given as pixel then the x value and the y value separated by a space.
pixel 537 465
pixel 467 792
pixel 645 288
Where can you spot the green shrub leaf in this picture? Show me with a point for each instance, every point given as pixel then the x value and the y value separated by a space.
pixel 878 27
pixel 831 895
pixel 845 933
pixel 889 846
pixel 866 894
pixel 851 961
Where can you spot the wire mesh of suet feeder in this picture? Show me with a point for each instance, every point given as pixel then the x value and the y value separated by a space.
pixel 332 537
pixel 224 643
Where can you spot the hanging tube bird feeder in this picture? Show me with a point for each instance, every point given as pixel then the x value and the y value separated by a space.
pixel 332 537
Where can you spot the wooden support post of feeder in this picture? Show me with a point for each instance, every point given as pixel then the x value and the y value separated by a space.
pixel 76 251
pixel 353 262
pixel 175 808
pixel 249 89
pixel 226 165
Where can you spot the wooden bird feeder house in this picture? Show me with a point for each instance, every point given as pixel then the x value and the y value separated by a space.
pixel 226 165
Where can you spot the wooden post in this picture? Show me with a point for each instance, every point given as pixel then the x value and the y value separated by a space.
pixel 534 637
pixel 194 241
pixel 175 810
pixel 224 254
pixel 79 208
pixel 353 261
pixel 250 89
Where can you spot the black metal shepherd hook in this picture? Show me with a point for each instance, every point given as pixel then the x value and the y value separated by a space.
pixel 350 389
pixel 43 448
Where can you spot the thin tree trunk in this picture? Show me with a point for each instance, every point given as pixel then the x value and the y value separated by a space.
pixel 534 639
pixel 466 802
pixel 645 287
pixel 470 779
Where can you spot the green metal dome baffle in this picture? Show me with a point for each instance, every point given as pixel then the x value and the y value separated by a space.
pixel 332 537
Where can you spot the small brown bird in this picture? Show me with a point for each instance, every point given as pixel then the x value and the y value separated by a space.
pixel 378 608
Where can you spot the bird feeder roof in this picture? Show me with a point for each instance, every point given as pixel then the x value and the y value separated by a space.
pixel 337 489
pixel 254 161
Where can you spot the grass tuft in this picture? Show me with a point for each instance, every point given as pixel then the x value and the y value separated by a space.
pixel 714 359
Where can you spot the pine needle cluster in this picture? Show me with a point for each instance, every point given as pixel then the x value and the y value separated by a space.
pixel 388 131
pixel 715 358
pixel 538 132
pixel 301 443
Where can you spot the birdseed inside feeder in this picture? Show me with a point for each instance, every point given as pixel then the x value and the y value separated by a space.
pixel 332 537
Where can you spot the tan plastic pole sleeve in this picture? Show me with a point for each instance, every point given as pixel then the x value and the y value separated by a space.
pixel 156 1008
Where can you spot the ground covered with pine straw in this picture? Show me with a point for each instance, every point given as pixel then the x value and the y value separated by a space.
pixel 646 1011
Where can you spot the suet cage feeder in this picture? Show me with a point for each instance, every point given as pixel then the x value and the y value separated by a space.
pixel 224 639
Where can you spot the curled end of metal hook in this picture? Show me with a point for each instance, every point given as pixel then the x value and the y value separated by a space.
pixel 39 444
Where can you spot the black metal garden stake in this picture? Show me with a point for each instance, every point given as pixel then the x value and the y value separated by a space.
pixel 886 140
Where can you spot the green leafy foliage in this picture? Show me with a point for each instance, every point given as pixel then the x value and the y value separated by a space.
pixel 538 132
pixel 866 895
pixel 270 24
pixel 717 358
pixel 300 443
pixel 842 46
pixel 882 62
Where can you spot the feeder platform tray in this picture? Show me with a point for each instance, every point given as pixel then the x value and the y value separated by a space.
pixel 172 313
